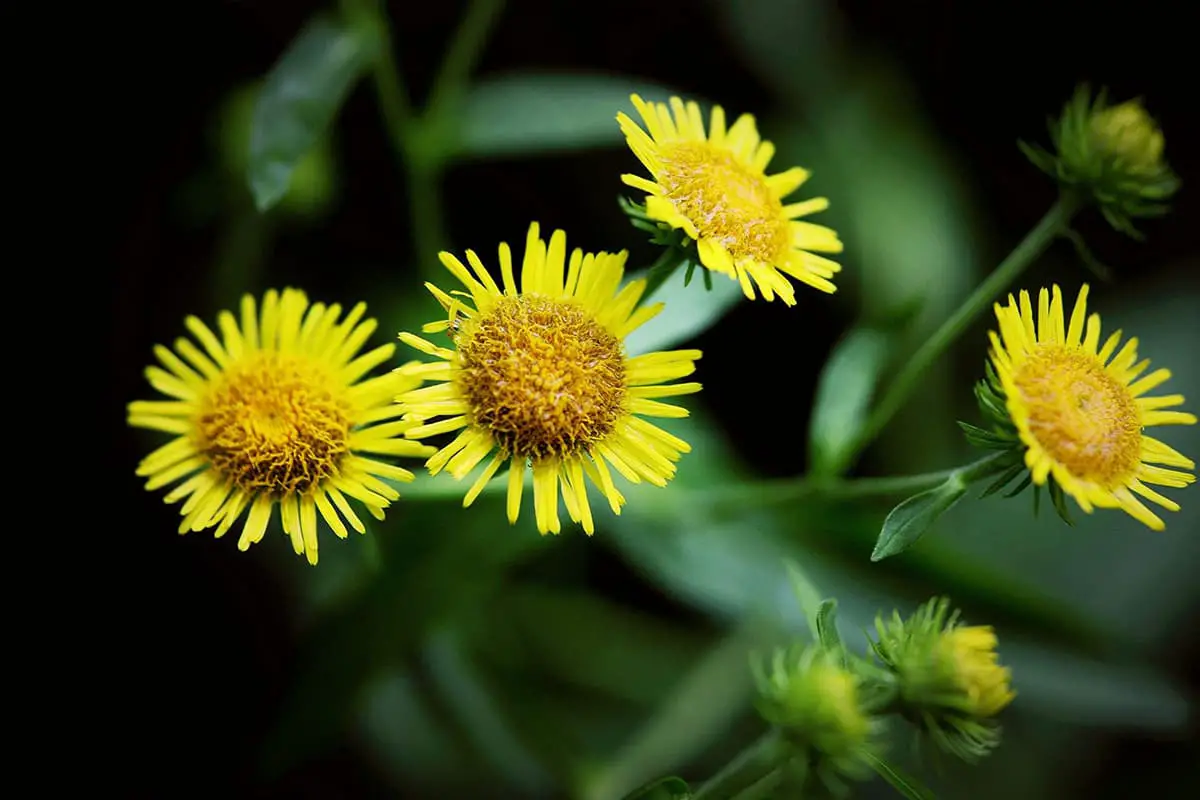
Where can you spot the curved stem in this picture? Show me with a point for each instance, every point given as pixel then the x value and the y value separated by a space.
pixel 1034 243
pixel 788 489
pixel 661 270
pixel 389 86
pixel 464 51
pixel 747 768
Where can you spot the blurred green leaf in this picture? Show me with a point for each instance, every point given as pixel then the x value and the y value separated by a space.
pixel 527 114
pixel 899 780
pixel 827 632
pixel 693 716
pixel 843 400
pixel 910 520
pixel 473 703
pixel 406 735
pixel 662 789
pixel 571 635
pixel 807 595
pixel 1088 692
pixel 432 574
pixel 728 557
pixel 299 100
pixel 689 312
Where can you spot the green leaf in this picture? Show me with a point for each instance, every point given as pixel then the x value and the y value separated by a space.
pixel 843 400
pixel 807 595
pixel 525 113
pixel 569 634
pixel 689 312
pixel 662 789
pixel 299 100
pixel 908 521
pixel 433 575
pixel 827 632
pixel 902 782
pixel 695 715
pixel 1006 478
pixel 985 439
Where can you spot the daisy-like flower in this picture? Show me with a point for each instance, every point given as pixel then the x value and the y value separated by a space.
pixel 275 411
pixel 715 188
pixel 538 377
pixel 1080 407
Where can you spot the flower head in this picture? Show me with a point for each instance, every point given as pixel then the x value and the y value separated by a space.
pixel 275 411
pixel 818 705
pixel 1126 133
pixel 950 681
pixel 1112 156
pixel 538 377
pixel 1078 409
pixel 714 187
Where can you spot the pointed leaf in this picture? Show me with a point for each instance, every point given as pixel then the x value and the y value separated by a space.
pixel 908 521
pixel 827 632
pixel 299 100
pixel 689 312
pixel 528 113
pixel 905 784
pixel 663 789
pixel 985 439
pixel 843 400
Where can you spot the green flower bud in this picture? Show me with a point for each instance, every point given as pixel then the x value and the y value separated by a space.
pixel 949 680
pixel 1128 135
pixel 1111 156
pixel 818 705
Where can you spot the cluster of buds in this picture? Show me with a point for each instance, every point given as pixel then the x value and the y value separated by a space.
pixel 831 706
pixel 1111 156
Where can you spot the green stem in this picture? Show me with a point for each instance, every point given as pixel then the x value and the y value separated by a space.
pixel 746 769
pixel 661 270
pixel 1034 243
pixel 389 85
pixel 420 140
pixel 789 489
pixel 240 254
pixel 465 48
pixel 428 226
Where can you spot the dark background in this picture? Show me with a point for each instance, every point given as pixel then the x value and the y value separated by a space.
pixel 199 642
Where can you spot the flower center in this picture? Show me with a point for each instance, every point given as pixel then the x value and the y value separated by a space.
pixel 542 375
pixel 1084 418
pixel 726 201
pixel 273 424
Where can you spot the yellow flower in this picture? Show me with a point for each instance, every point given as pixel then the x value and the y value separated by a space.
pixel 539 376
pixel 274 411
pixel 1127 132
pixel 1080 410
pixel 970 652
pixel 715 188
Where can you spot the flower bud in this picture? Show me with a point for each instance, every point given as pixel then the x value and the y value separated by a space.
pixel 819 707
pixel 1111 156
pixel 949 681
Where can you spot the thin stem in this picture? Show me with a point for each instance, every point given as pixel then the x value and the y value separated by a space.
pixel 661 271
pixel 428 226
pixel 1034 243
pixel 239 259
pixel 745 770
pixel 464 51
pixel 789 489
pixel 389 84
